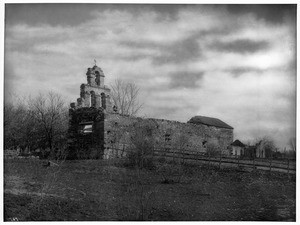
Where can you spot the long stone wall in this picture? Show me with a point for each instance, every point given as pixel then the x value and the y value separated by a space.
pixel 166 134
pixel 112 134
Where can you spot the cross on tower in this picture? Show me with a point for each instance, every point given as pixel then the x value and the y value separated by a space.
pixel 95 61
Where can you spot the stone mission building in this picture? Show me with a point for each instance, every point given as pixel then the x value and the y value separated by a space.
pixel 96 131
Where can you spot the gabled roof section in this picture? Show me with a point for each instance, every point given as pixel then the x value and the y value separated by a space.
pixel 209 121
pixel 238 143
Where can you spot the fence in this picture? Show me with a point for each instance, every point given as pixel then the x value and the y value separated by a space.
pixel 196 157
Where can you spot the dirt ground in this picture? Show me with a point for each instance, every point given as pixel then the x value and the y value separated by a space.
pixel 96 190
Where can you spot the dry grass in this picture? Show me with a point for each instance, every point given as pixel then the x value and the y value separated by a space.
pixel 103 190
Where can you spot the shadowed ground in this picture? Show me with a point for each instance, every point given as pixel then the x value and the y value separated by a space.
pixel 104 190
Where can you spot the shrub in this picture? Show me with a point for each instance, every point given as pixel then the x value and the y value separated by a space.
pixel 170 173
pixel 136 158
pixel 142 145
pixel 213 149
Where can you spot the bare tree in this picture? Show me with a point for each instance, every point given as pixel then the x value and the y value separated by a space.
pixel 50 112
pixel 292 143
pixel 212 148
pixel 142 143
pixel 125 97
pixel 267 145
pixel 19 128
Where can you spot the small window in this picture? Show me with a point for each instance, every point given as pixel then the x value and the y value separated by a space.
pixel 167 137
pixel 86 128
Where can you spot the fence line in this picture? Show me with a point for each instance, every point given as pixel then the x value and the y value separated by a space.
pixel 255 163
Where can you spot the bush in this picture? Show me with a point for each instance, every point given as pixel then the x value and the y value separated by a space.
pixel 170 173
pixel 213 149
pixel 136 158
pixel 142 145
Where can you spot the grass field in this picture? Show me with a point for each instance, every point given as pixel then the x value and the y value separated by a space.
pixel 94 190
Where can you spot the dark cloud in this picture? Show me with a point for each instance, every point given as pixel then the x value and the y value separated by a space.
pixel 292 64
pixel 27 42
pixel 53 14
pixel 75 14
pixel 241 46
pixel 164 11
pixel 72 88
pixel 172 109
pixel 161 111
pixel 179 52
pixel 139 44
pixel 10 78
pixel 238 71
pixel 185 79
pixel 175 52
pixel 226 29
pixel 132 58
pixel 274 13
pixel 281 114
pixel 18 46
pixel 142 45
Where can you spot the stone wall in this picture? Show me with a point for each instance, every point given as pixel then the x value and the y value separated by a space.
pixel 86 133
pixel 166 135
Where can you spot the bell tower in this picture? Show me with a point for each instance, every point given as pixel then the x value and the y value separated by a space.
pixel 94 93
pixel 95 76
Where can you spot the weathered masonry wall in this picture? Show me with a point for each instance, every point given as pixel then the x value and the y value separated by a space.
pixel 166 134
pixel 86 133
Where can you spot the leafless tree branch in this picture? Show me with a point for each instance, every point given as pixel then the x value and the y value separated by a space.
pixel 125 97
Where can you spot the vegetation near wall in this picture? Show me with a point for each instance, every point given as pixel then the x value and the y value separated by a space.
pixel 142 145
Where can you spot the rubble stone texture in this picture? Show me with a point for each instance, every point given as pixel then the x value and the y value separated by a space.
pixel 167 134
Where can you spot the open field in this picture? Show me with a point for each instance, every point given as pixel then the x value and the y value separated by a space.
pixel 105 190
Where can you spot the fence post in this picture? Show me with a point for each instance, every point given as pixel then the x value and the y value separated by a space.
pixel 253 163
pixel 153 148
pixel 220 160
pixel 288 166
pixel 238 164
pixel 173 155
pixel 270 164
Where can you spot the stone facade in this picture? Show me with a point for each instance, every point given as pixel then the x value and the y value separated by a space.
pixel 167 134
pixel 95 131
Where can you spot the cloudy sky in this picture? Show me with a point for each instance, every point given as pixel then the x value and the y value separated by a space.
pixel 233 62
